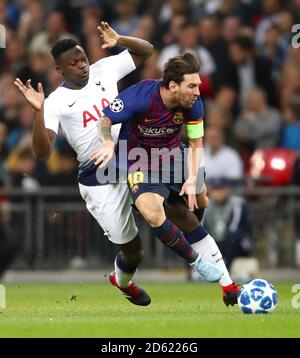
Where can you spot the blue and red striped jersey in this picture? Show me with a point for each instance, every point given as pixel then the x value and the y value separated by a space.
pixel 146 122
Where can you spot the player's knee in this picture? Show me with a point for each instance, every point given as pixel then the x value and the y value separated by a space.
pixel 187 221
pixel 154 219
pixel 203 202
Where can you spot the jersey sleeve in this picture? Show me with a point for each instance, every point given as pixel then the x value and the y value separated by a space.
pixel 51 117
pixel 117 66
pixel 127 105
pixel 194 123
pixel 196 113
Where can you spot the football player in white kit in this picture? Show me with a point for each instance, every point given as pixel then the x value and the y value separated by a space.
pixel 74 108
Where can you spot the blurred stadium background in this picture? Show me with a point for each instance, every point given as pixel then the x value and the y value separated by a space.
pixel 251 89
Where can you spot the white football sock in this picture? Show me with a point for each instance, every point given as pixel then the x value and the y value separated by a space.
pixel 210 252
pixel 123 278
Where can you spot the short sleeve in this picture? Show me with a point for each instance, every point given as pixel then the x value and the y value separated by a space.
pixel 118 66
pixel 128 104
pixel 196 113
pixel 194 121
pixel 51 118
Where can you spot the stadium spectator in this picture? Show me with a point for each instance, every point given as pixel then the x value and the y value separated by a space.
pixel 172 34
pixel 127 20
pixel 211 39
pixel 231 28
pixel 220 159
pixel 23 170
pixel 13 56
pixel 11 105
pixel 274 48
pixel 226 98
pixel 66 171
pixel 56 29
pixel 39 62
pixel 74 11
pixel 270 11
pixel 172 15
pixel 248 70
pixel 290 78
pixel 188 40
pixel 21 135
pixel 32 20
pixel 259 125
pixel 291 124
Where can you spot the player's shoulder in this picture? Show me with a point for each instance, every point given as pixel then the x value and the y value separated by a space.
pixel 109 61
pixel 196 111
pixel 58 98
pixel 198 106
pixel 55 96
pixel 199 102
pixel 138 96
pixel 102 63
pixel 146 87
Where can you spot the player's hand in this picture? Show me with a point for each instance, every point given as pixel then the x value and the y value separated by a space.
pixel 34 98
pixel 109 36
pixel 189 189
pixel 104 153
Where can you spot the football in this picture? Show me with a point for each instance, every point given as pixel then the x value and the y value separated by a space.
pixel 257 296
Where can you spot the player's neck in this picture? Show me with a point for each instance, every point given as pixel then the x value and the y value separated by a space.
pixel 71 85
pixel 167 99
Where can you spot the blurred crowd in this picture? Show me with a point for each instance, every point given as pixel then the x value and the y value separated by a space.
pixel 249 70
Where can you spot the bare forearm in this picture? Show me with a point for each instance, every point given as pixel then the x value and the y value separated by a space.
pixel 136 46
pixel 195 156
pixel 40 140
pixel 104 129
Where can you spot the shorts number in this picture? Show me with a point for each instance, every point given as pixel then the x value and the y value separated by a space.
pixel 135 178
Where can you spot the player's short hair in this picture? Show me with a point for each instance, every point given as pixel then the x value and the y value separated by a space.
pixel 178 66
pixel 62 46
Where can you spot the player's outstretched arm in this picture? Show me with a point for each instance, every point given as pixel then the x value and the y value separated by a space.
pixel 42 138
pixel 105 152
pixel 139 49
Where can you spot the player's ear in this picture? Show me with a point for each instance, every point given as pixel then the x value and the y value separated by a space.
pixel 172 86
pixel 59 70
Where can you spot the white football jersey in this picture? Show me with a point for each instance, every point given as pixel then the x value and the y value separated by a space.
pixel 75 112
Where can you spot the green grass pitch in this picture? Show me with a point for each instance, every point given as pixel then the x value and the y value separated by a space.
pixel 177 310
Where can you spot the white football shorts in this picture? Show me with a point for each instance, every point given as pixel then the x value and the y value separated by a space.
pixel 110 205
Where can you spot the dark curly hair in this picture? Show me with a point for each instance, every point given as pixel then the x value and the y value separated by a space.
pixel 62 46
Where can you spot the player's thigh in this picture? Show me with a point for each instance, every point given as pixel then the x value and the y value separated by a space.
pixel 150 205
pixel 110 205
